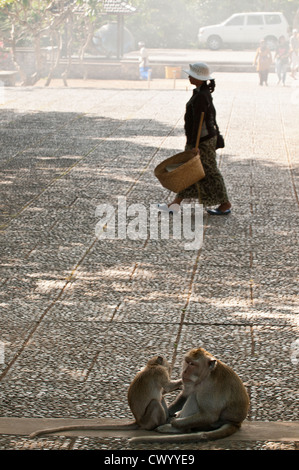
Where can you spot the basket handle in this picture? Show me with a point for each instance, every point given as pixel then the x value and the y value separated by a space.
pixel 199 130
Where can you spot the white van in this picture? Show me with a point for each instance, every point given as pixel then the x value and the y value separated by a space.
pixel 245 29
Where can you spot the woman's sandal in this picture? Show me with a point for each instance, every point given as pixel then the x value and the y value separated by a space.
pixel 218 212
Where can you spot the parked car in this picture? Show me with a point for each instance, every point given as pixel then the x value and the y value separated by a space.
pixel 245 29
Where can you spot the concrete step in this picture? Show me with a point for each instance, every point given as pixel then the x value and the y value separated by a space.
pixel 250 431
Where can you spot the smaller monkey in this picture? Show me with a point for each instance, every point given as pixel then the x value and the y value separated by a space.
pixel 145 397
pixel 212 404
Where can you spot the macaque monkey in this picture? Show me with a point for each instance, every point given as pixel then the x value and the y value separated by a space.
pixel 145 397
pixel 212 404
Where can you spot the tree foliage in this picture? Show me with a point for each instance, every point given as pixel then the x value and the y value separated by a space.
pixel 57 24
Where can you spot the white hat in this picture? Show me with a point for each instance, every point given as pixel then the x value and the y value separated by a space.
pixel 200 71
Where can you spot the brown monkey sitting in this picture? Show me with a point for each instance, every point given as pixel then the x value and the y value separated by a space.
pixel 212 405
pixel 145 397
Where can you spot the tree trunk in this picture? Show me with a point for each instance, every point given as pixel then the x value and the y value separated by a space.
pixel 69 26
pixel 21 72
pixel 90 33
pixel 55 63
pixel 38 60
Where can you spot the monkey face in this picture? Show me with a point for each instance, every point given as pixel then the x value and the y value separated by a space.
pixel 198 365
pixel 190 368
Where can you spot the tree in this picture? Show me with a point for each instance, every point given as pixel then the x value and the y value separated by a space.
pixel 61 23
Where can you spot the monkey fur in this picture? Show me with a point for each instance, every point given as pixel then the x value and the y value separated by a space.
pixel 145 397
pixel 212 404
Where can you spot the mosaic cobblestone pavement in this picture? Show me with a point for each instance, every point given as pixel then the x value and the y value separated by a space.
pixel 80 315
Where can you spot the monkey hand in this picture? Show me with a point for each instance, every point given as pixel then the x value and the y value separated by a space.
pixel 179 384
pixel 171 386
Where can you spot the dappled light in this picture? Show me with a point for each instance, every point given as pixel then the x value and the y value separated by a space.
pixel 80 313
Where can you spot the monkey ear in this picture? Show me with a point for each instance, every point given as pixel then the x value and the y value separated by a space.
pixel 212 364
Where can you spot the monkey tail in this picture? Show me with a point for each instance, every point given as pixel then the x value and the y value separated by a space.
pixel 224 431
pixel 122 427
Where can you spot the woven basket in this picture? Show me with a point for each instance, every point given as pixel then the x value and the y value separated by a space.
pixel 180 171
pixel 183 169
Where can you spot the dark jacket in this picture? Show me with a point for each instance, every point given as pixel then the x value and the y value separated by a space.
pixel 201 101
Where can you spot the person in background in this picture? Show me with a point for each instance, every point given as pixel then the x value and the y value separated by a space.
pixel 262 62
pixel 211 190
pixel 282 59
pixel 143 62
pixel 294 53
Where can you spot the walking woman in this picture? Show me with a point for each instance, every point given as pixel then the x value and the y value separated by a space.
pixel 263 61
pixel 211 190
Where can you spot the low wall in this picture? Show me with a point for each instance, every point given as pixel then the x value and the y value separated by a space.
pixel 124 69
pixel 129 70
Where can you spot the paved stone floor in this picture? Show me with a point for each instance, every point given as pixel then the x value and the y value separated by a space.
pixel 80 315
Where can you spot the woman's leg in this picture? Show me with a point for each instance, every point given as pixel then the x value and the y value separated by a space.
pixel 278 70
pixel 212 188
pixel 284 73
pixel 261 78
pixel 224 207
pixel 177 200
